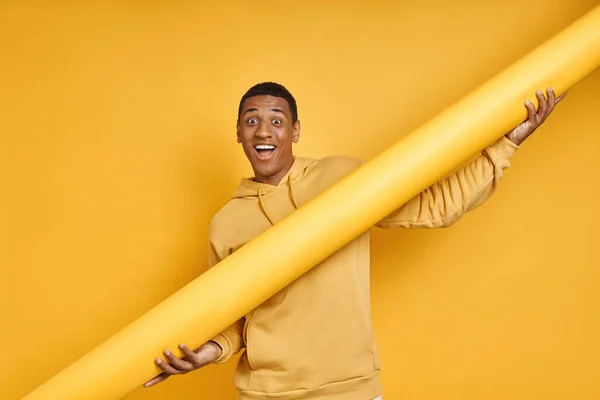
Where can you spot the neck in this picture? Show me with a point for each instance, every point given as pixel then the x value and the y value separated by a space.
pixel 273 179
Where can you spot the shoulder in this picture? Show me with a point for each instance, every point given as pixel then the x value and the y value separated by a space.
pixel 340 163
pixel 221 223
pixel 326 171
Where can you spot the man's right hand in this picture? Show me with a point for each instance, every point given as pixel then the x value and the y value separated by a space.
pixel 192 360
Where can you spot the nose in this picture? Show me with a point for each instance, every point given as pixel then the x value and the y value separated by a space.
pixel 264 131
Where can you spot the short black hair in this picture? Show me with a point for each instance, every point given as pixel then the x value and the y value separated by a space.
pixel 271 89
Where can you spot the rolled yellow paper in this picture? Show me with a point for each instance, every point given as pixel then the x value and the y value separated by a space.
pixel 244 280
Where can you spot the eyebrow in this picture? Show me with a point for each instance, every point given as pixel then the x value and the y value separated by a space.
pixel 250 110
pixel 277 110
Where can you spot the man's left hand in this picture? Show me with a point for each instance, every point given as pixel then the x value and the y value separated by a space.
pixel 535 118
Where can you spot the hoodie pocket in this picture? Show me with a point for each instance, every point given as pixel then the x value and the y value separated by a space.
pixel 247 340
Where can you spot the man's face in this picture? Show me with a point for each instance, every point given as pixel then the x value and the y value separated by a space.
pixel 266 132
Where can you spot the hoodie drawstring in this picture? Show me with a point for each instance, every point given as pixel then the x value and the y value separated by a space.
pixel 262 203
pixel 262 206
pixel 294 202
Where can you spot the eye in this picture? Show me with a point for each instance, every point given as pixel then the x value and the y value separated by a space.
pixel 277 121
pixel 252 121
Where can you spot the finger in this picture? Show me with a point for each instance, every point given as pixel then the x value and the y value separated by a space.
pixel 156 380
pixel 189 354
pixel 178 363
pixel 199 359
pixel 562 96
pixel 531 114
pixel 165 367
pixel 542 105
pixel 550 102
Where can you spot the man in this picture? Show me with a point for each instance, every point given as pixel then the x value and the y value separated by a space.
pixel 314 339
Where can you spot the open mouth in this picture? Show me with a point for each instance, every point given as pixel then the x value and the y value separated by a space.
pixel 265 150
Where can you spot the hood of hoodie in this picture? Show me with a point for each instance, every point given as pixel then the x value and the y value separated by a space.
pixel 249 188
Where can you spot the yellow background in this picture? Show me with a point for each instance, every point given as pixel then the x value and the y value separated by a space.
pixel 117 145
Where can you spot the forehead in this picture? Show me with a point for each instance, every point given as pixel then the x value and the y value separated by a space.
pixel 266 103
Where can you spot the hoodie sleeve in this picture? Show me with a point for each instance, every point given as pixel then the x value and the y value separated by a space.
pixel 446 201
pixel 231 339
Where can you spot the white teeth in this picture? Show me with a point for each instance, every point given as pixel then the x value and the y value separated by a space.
pixel 265 147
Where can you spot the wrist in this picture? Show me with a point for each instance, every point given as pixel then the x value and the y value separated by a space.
pixel 513 138
pixel 216 346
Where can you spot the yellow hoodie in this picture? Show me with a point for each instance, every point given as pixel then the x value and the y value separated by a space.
pixel 314 339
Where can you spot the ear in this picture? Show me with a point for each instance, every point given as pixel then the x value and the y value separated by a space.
pixel 237 128
pixel 296 136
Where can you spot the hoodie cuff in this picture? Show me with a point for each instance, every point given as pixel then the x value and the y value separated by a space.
pixel 507 146
pixel 225 346
pixel 502 149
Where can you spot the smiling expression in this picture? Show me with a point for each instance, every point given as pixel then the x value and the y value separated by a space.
pixel 266 132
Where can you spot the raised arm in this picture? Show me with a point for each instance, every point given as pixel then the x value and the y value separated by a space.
pixel 446 201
